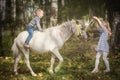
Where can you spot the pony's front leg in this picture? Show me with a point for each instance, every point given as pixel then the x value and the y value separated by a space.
pixel 52 64
pixel 57 54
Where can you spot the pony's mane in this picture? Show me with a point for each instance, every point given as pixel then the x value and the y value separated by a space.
pixel 64 27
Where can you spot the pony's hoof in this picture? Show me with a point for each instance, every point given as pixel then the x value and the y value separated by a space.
pixel 56 69
pixel 33 74
pixel 51 71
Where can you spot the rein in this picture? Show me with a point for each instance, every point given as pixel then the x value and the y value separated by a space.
pixel 78 27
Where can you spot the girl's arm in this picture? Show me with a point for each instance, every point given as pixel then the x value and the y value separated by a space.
pixel 38 24
pixel 100 23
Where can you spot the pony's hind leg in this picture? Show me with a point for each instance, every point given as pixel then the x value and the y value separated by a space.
pixel 26 54
pixel 16 60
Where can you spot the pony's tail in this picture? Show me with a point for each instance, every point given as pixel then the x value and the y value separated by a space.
pixel 14 48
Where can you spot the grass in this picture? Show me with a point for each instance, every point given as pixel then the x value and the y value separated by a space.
pixel 79 58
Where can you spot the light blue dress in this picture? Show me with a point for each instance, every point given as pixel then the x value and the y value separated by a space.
pixel 103 43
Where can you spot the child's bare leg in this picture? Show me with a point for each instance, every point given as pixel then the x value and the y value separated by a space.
pixel 95 70
pixel 106 62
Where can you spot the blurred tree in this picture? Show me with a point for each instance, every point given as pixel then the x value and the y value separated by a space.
pixel 15 14
pixel 3 8
pixel 114 19
pixel 13 11
pixel 54 12
pixel 2 22
pixel 63 2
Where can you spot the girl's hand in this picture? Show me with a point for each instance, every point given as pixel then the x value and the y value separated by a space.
pixel 94 17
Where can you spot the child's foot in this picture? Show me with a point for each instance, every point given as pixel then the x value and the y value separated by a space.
pixel 26 45
pixel 107 70
pixel 95 71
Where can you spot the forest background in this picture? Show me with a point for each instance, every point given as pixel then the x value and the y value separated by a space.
pixel 16 14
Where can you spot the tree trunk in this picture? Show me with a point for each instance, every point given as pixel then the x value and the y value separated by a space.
pixel 3 7
pixel 63 2
pixel 2 20
pixel 13 3
pixel 114 19
pixel 115 23
pixel 54 12
pixel 13 13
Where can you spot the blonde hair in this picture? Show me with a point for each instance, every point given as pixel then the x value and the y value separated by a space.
pixel 108 28
pixel 38 10
pixel 106 23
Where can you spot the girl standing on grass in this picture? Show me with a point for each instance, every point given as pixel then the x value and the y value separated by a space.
pixel 103 46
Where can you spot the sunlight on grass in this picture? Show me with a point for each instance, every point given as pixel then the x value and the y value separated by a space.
pixel 79 58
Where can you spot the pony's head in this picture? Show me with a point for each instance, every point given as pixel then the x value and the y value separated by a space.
pixel 79 29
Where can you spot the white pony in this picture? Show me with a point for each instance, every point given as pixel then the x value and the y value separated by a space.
pixel 52 39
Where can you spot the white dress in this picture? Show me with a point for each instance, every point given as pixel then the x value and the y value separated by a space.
pixel 103 43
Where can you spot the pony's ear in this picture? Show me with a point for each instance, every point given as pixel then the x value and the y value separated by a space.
pixel 73 20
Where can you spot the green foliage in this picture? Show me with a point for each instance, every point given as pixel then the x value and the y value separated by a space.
pixel 79 58
pixel 6 43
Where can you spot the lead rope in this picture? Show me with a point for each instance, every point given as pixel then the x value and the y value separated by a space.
pixel 78 27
